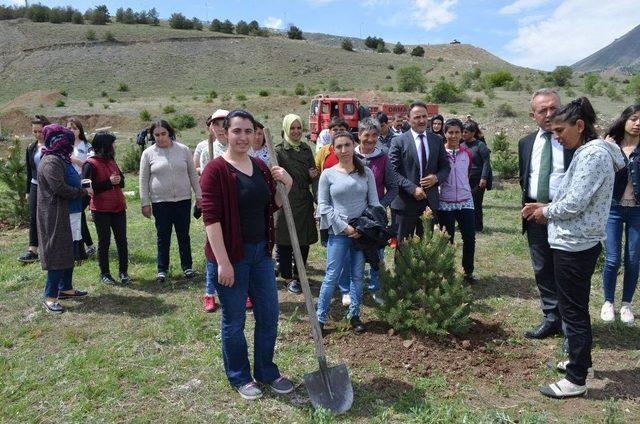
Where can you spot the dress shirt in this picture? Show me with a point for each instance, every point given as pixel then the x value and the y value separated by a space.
pixel 416 139
pixel 557 154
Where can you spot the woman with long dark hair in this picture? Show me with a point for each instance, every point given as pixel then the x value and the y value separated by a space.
pixel 108 206
pixel 238 201
pixel 59 193
pixel 624 217
pixel 33 156
pixel 167 177
pixel 480 172
pixel 577 220
pixel 344 193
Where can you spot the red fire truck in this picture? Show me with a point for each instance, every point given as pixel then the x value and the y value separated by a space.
pixel 323 108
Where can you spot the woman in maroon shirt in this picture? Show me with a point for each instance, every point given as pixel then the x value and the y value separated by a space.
pixel 238 202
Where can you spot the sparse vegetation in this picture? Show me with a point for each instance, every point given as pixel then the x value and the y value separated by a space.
pixel 213 94
pixel 410 78
pixel 109 37
pixel 346 44
pixel 60 103
pixel 505 110
pixel 145 115
pixel 63 92
pixel 444 92
pixel 498 79
pixel 478 102
pixel 183 121
pixel 169 109
pixel 264 93
pixel 241 97
pixel 123 87
pixel 90 35
pixel 299 89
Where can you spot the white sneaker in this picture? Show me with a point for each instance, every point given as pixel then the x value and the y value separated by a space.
pixel 607 314
pixel 563 389
pixel 626 316
pixel 346 299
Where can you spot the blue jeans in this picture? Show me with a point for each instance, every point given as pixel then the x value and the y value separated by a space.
pixel 58 280
pixel 627 219
pixel 254 277
pixel 168 215
pixel 210 279
pixel 345 277
pixel 339 248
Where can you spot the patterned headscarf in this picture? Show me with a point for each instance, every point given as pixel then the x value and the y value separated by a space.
pixel 286 129
pixel 58 141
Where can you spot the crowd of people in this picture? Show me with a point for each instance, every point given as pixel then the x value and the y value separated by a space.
pixel 576 189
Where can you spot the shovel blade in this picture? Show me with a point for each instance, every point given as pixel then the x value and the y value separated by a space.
pixel 330 388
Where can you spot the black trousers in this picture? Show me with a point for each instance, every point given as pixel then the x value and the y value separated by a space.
pixel 33 215
pixel 543 269
pixel 168 215
pixel 84 228
pixel 116 222
pixel 478 197
pixel 408 225
pixel 465 219
pixel 573 271
pixel 286 261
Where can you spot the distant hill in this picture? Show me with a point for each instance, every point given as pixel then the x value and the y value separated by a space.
pixel 162 61
pixel 621 56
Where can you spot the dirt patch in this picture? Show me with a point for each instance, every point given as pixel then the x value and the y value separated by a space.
pixel 32 99
pixel 18 121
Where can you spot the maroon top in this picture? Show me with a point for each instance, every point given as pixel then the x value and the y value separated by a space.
pixel 107 197
pixel 220 204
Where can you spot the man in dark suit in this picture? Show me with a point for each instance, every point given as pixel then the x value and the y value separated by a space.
pixel 542 163
pixel 420 160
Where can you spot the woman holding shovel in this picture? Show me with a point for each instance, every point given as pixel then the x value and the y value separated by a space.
pixel 239 199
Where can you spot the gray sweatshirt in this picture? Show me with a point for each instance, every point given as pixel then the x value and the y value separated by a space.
pixel 167 174
pixel 578 215
pixel 342 197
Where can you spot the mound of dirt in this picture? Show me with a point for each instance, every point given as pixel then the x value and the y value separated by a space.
pixel 32 99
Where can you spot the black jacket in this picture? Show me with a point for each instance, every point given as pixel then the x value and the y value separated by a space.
pixel 375 234
pixel 31 165
pixel 622 177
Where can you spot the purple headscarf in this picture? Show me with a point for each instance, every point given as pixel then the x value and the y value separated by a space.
pixel 58 141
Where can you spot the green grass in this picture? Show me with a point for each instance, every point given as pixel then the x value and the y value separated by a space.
pixel 146 353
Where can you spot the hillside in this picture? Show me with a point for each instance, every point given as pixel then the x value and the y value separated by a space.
pixel 621 56
pixel 157 61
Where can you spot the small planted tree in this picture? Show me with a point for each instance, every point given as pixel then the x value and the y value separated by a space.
pixel 424 292
pixel 295 33
pixel 410 78
pixel 399 48
pixel 13 172
pixel 417 51
pixel 503 160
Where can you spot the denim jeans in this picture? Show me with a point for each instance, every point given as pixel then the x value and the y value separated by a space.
pixel 168 215
pixel 58 280
pixel 339 248
pixel 466 222
pixel 210 279
pixel 254 277
pixel 345 277
pixel 627 219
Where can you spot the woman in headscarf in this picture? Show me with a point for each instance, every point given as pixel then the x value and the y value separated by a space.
pixel 59 192
pixel 437 123
pixel 296 158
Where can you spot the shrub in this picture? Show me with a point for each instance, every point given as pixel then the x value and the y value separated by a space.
pixel 131 158
pixel 303 101
pixel 213 94
pixel 312 91
pixel 391 67
pixel 346 45
pixel 299 89
pixel 216 25
pixel 500 142
pixel 478 102
pixel 424 292
pixel 410 78
pixel 560 76
pixel 382 49
pixel 333 85
pixel 589 84
pixel 505 164
pixel 612 93
pixel 90 35
pixel 505 110
pixel 99 15
pixel 103 93
pixel 63 93
pixel 112 100
pixel 444 92
pixel 388 88
pixel 498 79
pixel 169 109
pixel 241 97
pixel 145 115
pixel 374 42
pixel 123 87
pixel 417 51
pixel 109 37
pixel 179 21
pixel 490 92
pixel 295 33
pixel 242 28
pixel 514 85
pixel 263 93
pixel 90 103
pixel 60 103
pixel 633 88
pixel 13 173
pixel 399 48
pixel 183 121
pixel 440 59
pixel 570 93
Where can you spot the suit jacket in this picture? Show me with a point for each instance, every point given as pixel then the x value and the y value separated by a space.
pixel 525 150
pixel 403 156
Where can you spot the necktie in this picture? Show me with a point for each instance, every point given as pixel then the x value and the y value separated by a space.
pixel 423 156
pixel 546 165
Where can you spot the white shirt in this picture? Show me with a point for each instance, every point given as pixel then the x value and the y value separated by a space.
pixel 416 139
pixel 557 154
pixel 82 151
pixel 204 144
pixel 323 139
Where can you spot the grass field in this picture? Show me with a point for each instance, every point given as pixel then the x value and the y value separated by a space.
pixel 146 353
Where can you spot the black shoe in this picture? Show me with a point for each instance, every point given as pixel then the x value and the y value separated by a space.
pixel 565 346
pixel 471 279
pixel 357 325
pixel 294 287
pixel 72 295
pixel 107 279
pixel 28 257
pixel 124 278
pixel 544 330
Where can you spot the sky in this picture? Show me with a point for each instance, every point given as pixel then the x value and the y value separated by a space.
pixel 539 34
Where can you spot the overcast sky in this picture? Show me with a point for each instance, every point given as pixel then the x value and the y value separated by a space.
pixel 540 34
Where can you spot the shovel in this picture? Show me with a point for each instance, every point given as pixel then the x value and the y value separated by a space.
pixel 330 387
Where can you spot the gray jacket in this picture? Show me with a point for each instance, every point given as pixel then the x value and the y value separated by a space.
pixel 578 215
